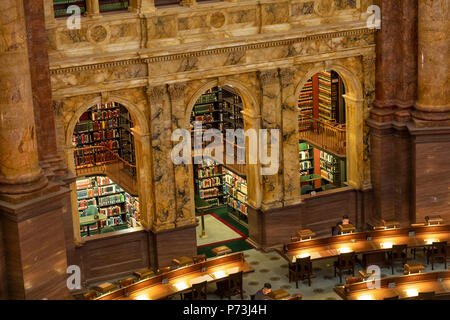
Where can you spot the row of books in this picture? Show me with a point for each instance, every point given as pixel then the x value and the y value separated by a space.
pixel 207 98
pixel 327 157
pixel 106 134
pixel 104 115
pixel 214 192
pixel 210 182
pixel 84 204
pixel 110 200
pixel 209 171
pixel 111 211
pixel 237 205
pixel 304 155
pixel 305 165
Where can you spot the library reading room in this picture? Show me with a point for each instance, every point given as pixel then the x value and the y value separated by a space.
pixel 224 150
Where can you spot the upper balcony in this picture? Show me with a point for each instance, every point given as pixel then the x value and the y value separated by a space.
pixel 153 27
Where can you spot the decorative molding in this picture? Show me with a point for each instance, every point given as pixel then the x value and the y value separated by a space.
pixel 200 53
pixel 176 91
pixel 268 77
pixel 156 94
pixel 286 76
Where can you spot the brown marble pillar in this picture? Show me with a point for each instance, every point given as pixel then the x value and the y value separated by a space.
pixel 431 126
pixel 395 92
pixel 31 206
pixel 142 6
pixel 19 166
pixel 92 8
pixel 433 98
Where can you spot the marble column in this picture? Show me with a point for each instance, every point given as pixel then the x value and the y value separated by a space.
pixel 289 115
pixel 271 119
pixel 31 207
pixel 430 129
pixel 163 170
pixel 188 3
pixel 433 96
pixel 19 167
pixel 92 8
pixel 184 178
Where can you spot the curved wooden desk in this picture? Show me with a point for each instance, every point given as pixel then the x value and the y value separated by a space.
pixel 180 280
pixel 406 287
pixel 366 242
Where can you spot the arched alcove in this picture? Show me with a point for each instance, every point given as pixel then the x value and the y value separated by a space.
pixel 354 104
pixel 139 177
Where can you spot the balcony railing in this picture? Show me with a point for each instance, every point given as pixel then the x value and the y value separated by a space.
pixel 324 135
pixel 99 155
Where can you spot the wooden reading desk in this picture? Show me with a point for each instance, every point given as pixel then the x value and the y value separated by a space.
pixel 405 287
pixel 180 280
pixel 370 243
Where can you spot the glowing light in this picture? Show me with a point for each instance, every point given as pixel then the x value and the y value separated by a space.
pixel 386 245
pixel 430 241
pixel 304 255
pixel 412 292
pixel 345 250
pixel 365 297
pixel 142 297
pixel 181 285
pixel 219 274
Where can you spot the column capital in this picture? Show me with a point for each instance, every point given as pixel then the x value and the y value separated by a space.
pixel 176 91
pixel 268 77
pixel 286 75
pixel 156 94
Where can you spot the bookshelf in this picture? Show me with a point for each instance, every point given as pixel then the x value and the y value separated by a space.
pixel 208 177
pixel 332 168
pixel 326 111
pixel 107 125
pixel 306 156
pixel 305 100
pixel 116 207
pixel 218 108
pixel 235 188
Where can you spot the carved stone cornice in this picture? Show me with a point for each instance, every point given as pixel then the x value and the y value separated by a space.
pixel 156 94
pixel 268 77
pixel 224 50
pixel 176 91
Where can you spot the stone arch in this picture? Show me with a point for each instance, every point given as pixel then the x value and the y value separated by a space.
pixel 251 121
pixel 354 100
pixel 142 145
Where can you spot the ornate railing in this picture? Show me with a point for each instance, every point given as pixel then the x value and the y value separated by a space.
pixel 324 135
pixel 102 160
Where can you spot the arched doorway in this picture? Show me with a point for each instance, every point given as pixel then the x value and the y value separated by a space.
pixel 322 133
pixel 224 187
pixel 104 155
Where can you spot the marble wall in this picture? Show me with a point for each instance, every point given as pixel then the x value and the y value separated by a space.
pixel 159 67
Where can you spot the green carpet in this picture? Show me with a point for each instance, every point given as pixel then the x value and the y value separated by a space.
pixel 235 246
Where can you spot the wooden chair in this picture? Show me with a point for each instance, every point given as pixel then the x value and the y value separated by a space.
pixel 300 270
pixel 199 292
pixel 126 282
pixel 231 286
pixel 90 295
pixel 296 297
pixel 438 250
pixel 200 258
pixel 164 270
pixel 398 253
pixel 426 295
pixel 345 262
pixel 392 298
